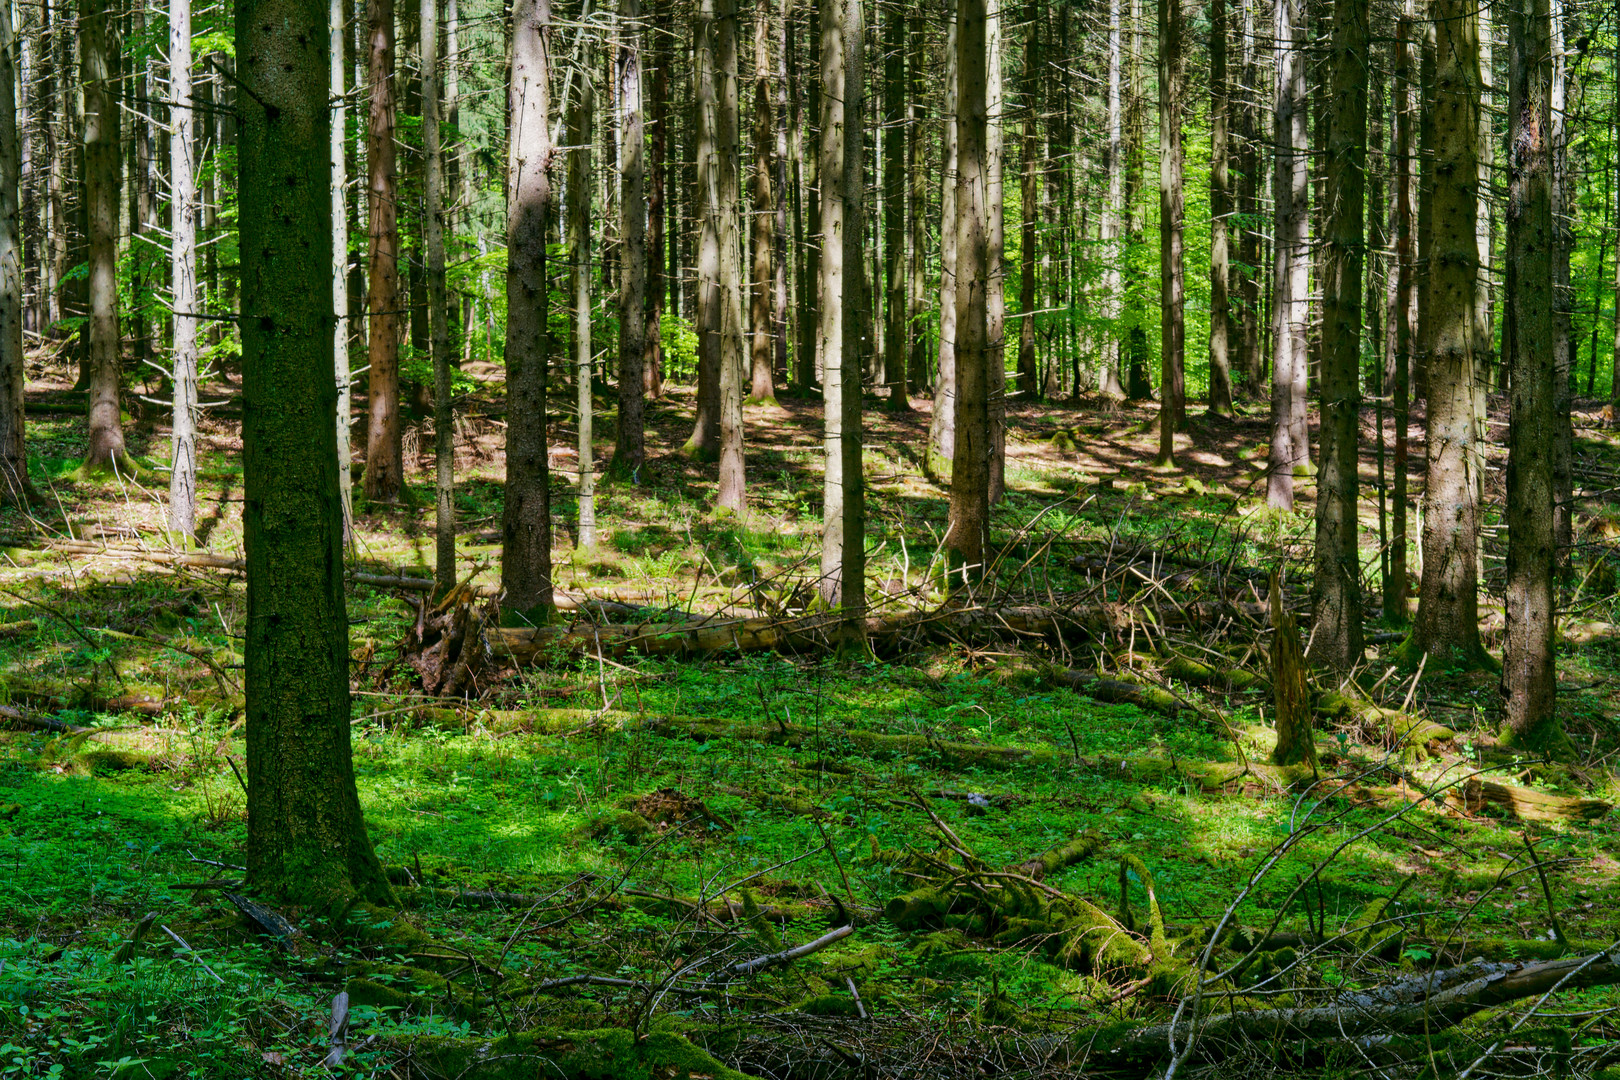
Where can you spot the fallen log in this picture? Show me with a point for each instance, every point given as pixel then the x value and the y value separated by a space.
pixel 1431 1000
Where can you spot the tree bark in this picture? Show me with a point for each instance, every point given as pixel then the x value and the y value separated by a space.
pixel 182 276
pixel 1336 633
pixel 1109 381
pixel 1220 210
pixel 967 532
pixel 762 282
pixel 809 359
pixel 917 215
pixel 1029 208
pixel 1290 452
pixel 385 475
pixel 526 517
pixel 306 839
pixel 629 451
pixel 1448 605
pixel 1529 676
pixel 896 347
pixel 1172 276
pixel 581 121
pixel 725 195
pixel 337 48
pixel 1137 385
pixel 843 531
pixel 98 58
pixel 657 236
pixel 13 452
pixel 1403 319
pixel 940 459
pixel 1563 210
pixel 438 304
pixel 995 300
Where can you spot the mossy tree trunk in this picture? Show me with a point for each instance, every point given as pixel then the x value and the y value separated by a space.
pixel 1337 588
pixel 306 839
pixel 526 517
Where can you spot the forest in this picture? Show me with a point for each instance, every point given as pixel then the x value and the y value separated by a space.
pixel 691 540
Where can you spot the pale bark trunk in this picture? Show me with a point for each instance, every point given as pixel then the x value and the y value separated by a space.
pixel 658 283
pixel 1109 380
pixel 630 449
pixel 1529 674
pixel 526 518
pixel 438 304
pixel 843 530
pixel 336 46
pixel 726 205
pixel 1563 200
pixel 385 477
pixel 1138 387
pixel 1336 633
pixel 995 300
pixel 1291 266
pixel 581 118
pixel 183 276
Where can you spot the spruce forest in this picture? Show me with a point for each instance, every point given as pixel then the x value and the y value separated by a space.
pixel 809 539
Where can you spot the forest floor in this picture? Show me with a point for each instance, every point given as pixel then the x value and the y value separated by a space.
pixel 657 822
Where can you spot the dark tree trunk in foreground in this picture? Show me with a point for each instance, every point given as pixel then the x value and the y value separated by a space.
pixel 526 519
pixel 630 448
pixel 966 535
pixel 1290 303
pixel 1336 635
pixel 1220 209
pixel 385 478
pixel 843 530
pixel 1172 275
pixel 306 839
pixel 13 453
pixel 1448 603
pixel 1529 676
pixel 98 61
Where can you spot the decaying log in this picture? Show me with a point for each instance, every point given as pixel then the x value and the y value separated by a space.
pixel 1432 1000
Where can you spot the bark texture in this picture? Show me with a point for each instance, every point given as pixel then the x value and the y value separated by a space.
pixel 1290 303
pixel 438 303
pixel 306 839
pixel 98 65
pixel 526 518
pixel 636 307
pixel 385 476
pixel 1172 275
pixel 13 453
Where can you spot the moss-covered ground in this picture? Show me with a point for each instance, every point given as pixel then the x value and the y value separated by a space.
pixel 600 831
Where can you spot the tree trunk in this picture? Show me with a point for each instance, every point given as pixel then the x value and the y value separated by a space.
pixel 1109 381
pixel 629 450
pixel 1448 605
pixel 1172 277
pixel 1563 211
pixel 98 57
pixel 526 517
pixel 337 42
pixel 762 282
pixel 843 531
pixel 967 532
pixel 809 359
pixel 1529 677
pixel 1029 208
pixel 577 196
pixel 657 283
pixel 1220 210
pixel 1403 319
pixel 725 203
pixel 385 475
pixel 1336 633
pixel 995 301
pixel 306 840
pixel 13 451
pixel 1290 452
pixel 940 459
pixel 896 348
pixel 1137 385
pixel 182 276
pixel 917 214
pixel 1252 362
pixel 438 303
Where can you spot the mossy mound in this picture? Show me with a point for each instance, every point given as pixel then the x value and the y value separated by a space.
pixel 603 1054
